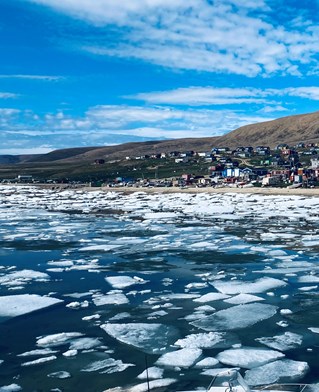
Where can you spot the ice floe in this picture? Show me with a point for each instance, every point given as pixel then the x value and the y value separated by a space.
pixel 11 388
pixel 151 373
pixel 61 375
pixel 23 277
pixel 208 340
pixel 182 358
pixel 110 299
pixel 121 282
pixel 40 361
pixel 151 338
pixel 57 339
pixel 17 305
pixel 236 317
pixel 248 357
pixel 237 287
pixel 107 366
pixel 285 370
pixel 284 342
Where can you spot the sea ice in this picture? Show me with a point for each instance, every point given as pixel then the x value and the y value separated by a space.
pixel 150 338
pixel 11 388
pixel 39 361
pixel 284 342
pixel 121 282
pixel 151 373
pixel 17 305
pixel 110 299
pixel 208 362
pixel 211 297
pixel 144 387
pixel 44 351
pixel 57 339
pixel 248 357
pixel 243 299
pixel 84 343
pixel 236 317
pixel 107 366
pixel 237 287
pixel 285 370
pixel 182 358
pixel 70 353
pixel 208 340
pixel 61 374
pixel 23 277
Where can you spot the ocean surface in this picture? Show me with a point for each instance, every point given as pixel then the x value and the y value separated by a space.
pixel 96 287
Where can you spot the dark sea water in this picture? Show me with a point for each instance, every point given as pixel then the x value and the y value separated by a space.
pixel 173 263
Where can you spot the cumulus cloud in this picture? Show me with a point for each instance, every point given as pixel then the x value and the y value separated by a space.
pixel 4 95
pixel 240 37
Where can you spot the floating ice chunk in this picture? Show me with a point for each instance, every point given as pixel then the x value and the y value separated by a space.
pixel 308 288
pixel 61 375
pixel 57 339
pixel 39 361
pixel 144 387
pixel 11 388
pixel 237 317
pixel 277 252
pixel 284 342
pixel 100 248
pixel 207 363
pixel 248 357
pixel 22 277
pixel 150 338
pixel 314 330
pixel 107 366
pixel 110 299
pixel 285 370
pixel 207 340
pixel 121 282
pixel 44 351
pixel 120 316
pixel 183 358
pixel 73 305
pixel 92 317
pixel 259 286
pixel 211 297
pixel 285 311
pixel 70 353
pixel 214 372
pixel 308 279
pixel 17 305
pixel 151 373
pixel 84 343
pixel 243 299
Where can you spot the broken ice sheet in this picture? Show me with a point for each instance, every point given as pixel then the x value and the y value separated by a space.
pixel 259 286
pixel 108 366
pixel 236 317
pixel 208 340
pixel 183 358
pixel 17 305
pixel 150 338
pixel 121 282
pixel 284 342
pixel 248 357
pixel 285 370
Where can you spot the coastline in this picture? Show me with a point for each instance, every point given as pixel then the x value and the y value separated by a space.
pixel 310 192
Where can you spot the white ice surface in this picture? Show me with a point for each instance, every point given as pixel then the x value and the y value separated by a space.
pixel 259 286
pixel 121 282
pixel 236 317
pixel 243 299
pixel 281 371
pixel 184 358
pixel 248 357
pixel 151 338
pixel 211 297
pixel 61 375
pixel 110 299
pixel 151 373
pixel 40 361
pixel 17 305
pixel 207 340
pixel 57 339
pixel 11 388
pixel 284 342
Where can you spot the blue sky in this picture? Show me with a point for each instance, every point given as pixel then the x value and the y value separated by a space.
pixel 99 72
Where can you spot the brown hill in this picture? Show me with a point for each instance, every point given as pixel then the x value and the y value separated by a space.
pixel 290 130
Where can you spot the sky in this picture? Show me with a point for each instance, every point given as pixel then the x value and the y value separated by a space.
pixel 77 73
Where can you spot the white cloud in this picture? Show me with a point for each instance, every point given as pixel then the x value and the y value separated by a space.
pixel 4 95
pixel 239 37
pixel 32 77
pixel 204 96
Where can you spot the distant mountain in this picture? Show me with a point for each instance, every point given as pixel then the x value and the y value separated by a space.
pixel 290 130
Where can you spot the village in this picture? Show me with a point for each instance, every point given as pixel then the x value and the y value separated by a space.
pixel 261 166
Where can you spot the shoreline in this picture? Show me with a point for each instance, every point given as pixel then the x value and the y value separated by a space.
pixel 310 192
pixel 270 191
